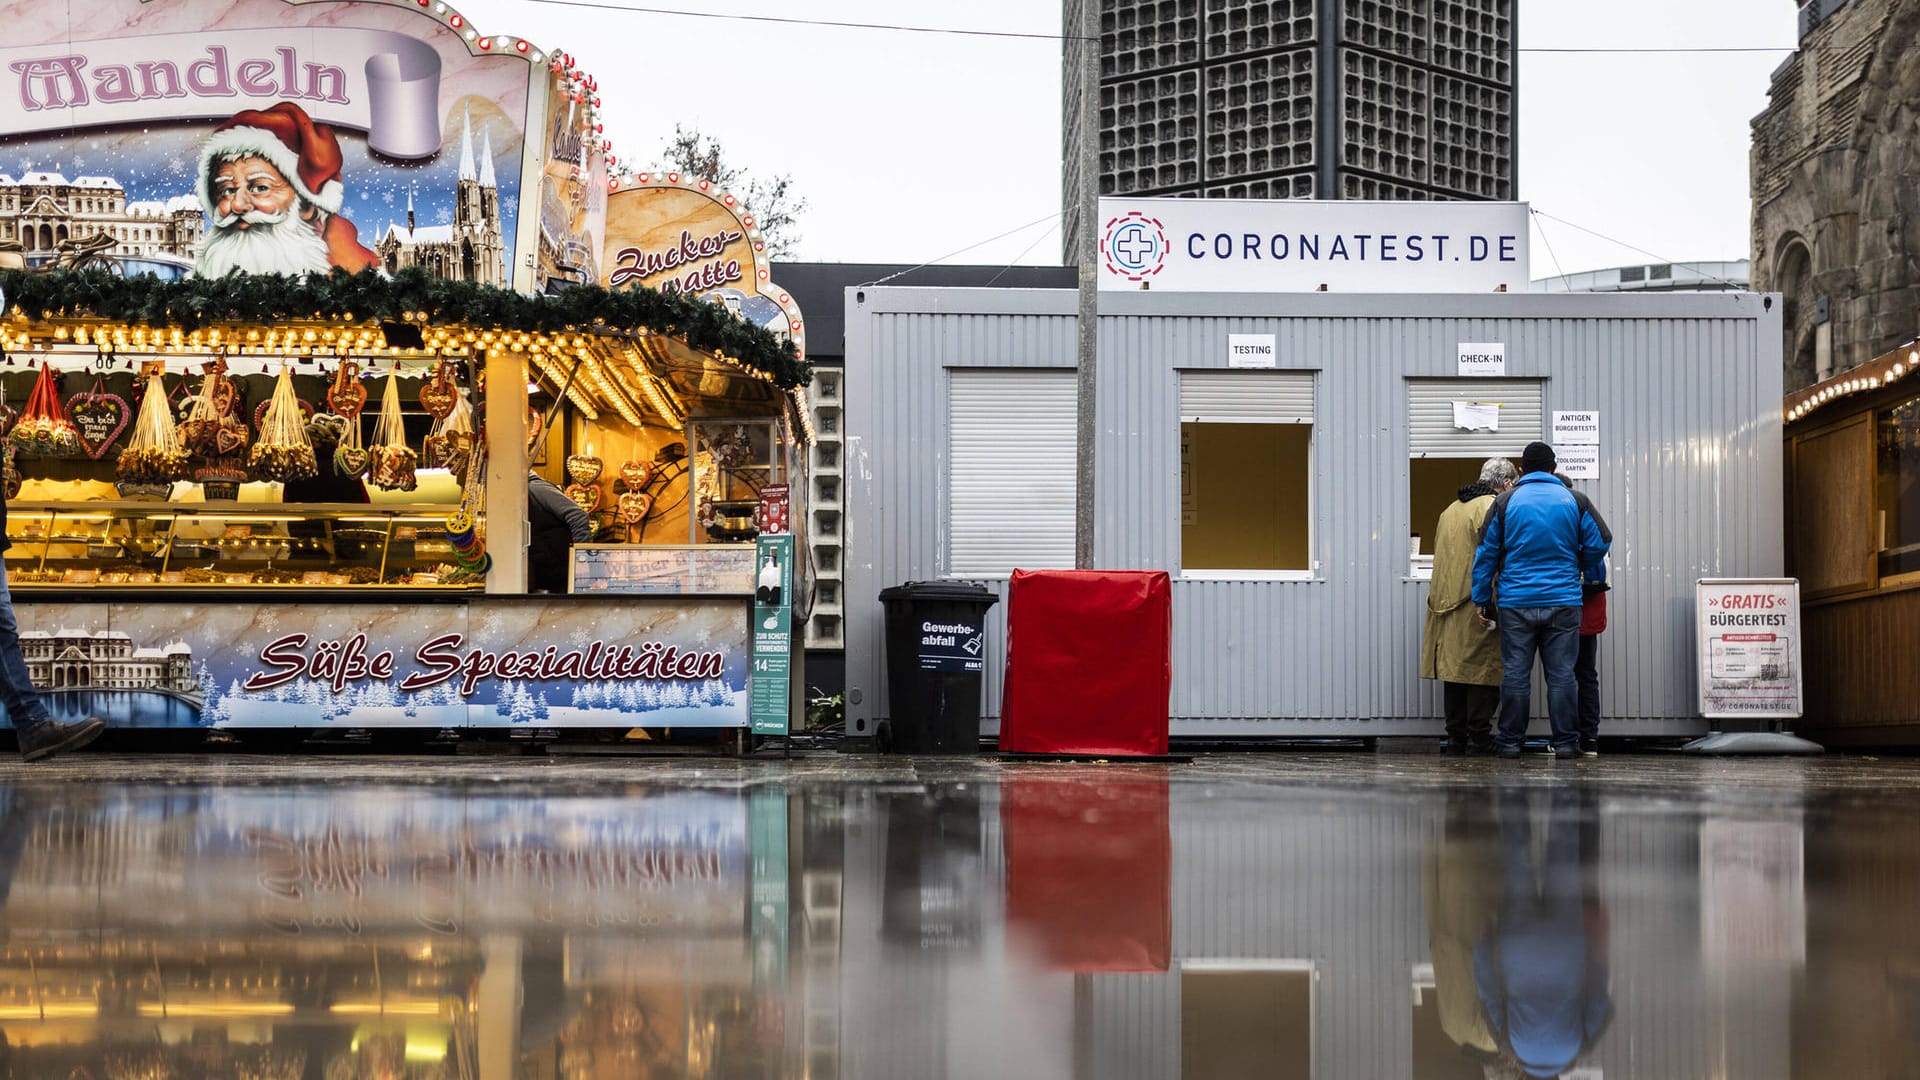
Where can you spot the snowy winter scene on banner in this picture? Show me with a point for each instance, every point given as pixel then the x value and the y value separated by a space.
pixel 477 664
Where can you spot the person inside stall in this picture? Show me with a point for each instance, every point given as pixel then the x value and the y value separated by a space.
pixel 327 485
pixel 557 523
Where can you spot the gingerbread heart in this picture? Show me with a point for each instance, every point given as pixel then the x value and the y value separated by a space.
pixel 438 397
pixel 348 395
pixel 224 395
pixel 585 497
pixel 349 460
pixel 99 419
pixel 634 506
pixel 636 474
pixel 583 469
pixel 230 439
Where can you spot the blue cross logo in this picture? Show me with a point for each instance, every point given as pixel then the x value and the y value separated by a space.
pixel 1135 246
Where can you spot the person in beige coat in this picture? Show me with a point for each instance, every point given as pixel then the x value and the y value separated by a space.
pixel 1458 647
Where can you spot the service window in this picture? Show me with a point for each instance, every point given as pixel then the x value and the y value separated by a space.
pixel 1010 471
pixel 1897 489
pixel 1453 427
pixel 1246 442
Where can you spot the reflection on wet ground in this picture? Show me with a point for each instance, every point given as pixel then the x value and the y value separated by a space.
pixel 1290 916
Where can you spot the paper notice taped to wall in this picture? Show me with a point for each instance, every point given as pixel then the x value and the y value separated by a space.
pixel 1476 416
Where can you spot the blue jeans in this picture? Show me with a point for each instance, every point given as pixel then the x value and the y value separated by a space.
pixel 17 694
pixel 1553 633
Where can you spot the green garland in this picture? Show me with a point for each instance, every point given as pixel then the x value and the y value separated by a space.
pixel 265 299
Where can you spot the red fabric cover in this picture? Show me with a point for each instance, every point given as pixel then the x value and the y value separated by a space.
pixel 1090 866
pixel 1593 614
pixel 1088 662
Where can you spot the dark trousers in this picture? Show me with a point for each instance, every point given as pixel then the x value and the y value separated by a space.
pixel 1552 633
pixel 1586 678
pixel 1470 708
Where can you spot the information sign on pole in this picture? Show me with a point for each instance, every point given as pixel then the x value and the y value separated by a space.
pixel 770 700
pixel 1748 638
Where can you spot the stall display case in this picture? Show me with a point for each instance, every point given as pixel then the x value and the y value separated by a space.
pixel 731 461
pixel 172 546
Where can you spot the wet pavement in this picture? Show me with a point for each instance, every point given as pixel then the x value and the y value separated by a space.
pixel 1272 915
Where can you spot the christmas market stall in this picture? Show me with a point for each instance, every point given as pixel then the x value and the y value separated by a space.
pixel 308 303
pixel 1853 540
pixel 264 501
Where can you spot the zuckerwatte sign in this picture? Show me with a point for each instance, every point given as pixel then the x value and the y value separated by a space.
pixel 683 234
pixel 1241 245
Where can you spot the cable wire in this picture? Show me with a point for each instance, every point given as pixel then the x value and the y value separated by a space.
pixel 847 24
pixel 1550 252
pixel 788 20
pixel 1022 228
pixel 1016 259
pixel 1633 247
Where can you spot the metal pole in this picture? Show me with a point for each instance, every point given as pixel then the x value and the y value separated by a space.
pixel 1088 257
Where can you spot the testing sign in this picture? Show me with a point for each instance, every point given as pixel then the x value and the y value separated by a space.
pixel 1748 636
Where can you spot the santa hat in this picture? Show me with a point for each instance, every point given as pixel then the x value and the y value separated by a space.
pixel 306 153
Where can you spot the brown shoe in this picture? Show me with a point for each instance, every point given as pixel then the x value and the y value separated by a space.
pixel 46 738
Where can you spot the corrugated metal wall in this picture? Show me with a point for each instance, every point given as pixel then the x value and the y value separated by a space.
pixel 1688 391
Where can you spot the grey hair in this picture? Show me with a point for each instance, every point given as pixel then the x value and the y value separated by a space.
pixel 1498 472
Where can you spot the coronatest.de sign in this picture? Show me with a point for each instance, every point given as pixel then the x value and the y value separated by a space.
pixel 1245 245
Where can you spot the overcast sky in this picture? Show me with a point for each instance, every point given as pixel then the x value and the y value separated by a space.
pixel 911 147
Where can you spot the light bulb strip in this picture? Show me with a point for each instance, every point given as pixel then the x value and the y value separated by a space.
pixel 1875 374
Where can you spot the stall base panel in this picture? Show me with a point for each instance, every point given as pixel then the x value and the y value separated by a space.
pixel 493 663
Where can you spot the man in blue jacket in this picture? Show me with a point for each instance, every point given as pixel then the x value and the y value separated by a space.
pixel 1526 575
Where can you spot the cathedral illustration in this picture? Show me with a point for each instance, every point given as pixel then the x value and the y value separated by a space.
pixel 471 248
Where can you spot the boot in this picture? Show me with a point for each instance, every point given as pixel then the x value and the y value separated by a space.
pixel 41 739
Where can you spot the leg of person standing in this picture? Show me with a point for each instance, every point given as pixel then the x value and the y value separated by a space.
pixel 1453 699
pixel 40 735
pixel 1520 638
pixel 1470 709
pixel 1586 675
pixel 1559 648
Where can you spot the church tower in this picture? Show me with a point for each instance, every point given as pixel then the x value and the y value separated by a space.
pixel 480 249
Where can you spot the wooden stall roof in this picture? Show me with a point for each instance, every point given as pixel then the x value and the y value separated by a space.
pixel 626 352
pixel 1875 374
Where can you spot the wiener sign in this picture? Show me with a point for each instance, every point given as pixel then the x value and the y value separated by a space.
pixel 675 233
pixel 1748 637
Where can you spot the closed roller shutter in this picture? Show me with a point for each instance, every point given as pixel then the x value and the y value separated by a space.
pixel 1430 416
pixel 1246 397
pixel 1011 476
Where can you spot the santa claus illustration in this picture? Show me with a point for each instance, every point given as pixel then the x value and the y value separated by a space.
pixel 270 182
